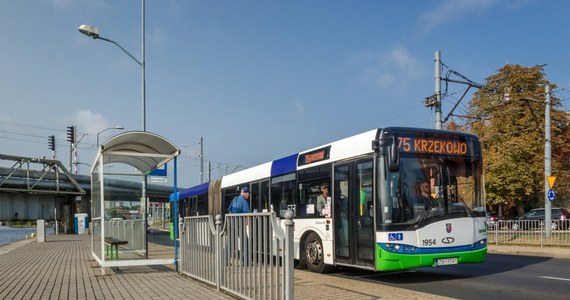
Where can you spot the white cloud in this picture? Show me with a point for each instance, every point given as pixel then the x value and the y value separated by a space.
pixel 89 123
pixel 452 9
pixel 392 70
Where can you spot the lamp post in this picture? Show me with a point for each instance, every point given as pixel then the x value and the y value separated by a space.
pixel 93 32
pixel 98 133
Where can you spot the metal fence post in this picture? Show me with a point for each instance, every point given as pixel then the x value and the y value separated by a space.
pixel 289 291
pixel 177 255
pixel 218 254
pixel 542 230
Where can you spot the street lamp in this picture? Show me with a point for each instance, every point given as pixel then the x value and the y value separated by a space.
pixel 98 133
pixel 93 32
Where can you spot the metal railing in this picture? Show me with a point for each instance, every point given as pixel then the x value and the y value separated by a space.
pixel 131 231
pixel 528 232
pixel 248 255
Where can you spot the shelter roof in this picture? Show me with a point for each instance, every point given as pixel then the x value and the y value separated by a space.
pixel 143 150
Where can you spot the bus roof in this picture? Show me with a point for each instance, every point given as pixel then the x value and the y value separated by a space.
pixel 194 191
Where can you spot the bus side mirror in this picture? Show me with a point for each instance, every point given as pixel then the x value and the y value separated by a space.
pixel 390 148
pixel 393 156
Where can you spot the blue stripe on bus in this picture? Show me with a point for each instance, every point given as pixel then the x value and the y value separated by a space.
pixel 194 191
pixel 390 247
pixel 284 165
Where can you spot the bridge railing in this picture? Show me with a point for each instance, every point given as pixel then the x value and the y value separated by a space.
pixel 248 255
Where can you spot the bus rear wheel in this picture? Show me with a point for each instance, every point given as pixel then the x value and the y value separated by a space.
pixel 314 254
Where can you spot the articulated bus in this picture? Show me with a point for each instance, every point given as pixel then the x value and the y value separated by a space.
pixel 399 198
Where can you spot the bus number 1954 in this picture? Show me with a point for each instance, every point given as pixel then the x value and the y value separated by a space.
pixel 428 242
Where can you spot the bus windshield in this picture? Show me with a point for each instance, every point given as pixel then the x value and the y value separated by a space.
pixel 430 188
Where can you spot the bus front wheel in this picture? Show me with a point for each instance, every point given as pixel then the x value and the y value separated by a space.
pixel 314 254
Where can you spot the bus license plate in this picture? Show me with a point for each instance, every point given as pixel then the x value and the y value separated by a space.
pixel 446 261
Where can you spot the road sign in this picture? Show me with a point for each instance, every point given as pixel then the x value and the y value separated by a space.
pixel 551 180
pixel 159 172
pixel 155 179
pixel 551 195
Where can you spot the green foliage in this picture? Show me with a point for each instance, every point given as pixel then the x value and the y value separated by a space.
pixel 22 224
pixel 512 136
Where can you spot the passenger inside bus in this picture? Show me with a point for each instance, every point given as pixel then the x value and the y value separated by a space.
pixel 322 199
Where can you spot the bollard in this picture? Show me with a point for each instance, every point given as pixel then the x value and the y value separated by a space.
pixel 41 231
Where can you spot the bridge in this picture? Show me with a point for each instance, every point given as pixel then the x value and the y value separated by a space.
pixel 41 188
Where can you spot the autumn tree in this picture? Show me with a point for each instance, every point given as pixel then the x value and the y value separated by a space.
pixel 511 130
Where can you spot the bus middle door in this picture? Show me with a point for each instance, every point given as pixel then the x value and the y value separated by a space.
pixel 353 219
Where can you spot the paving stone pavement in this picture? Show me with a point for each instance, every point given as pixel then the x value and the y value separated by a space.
pixel 62 268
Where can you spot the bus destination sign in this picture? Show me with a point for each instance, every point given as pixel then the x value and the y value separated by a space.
pixel 433 145
pixel 314 156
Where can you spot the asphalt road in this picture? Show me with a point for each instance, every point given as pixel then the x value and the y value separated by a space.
pixel 499 277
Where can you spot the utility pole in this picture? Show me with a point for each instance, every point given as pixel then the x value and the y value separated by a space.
pixel 547 162
pixel 201 159
pixel 435 99
pixel 438 90
pixel 209 171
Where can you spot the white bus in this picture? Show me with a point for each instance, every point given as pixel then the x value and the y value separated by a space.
pixel 399 198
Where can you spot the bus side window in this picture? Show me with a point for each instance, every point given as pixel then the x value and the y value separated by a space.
pixel 283 193
pixel 308 195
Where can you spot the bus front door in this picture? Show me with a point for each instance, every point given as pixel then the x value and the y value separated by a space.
pixel 353 213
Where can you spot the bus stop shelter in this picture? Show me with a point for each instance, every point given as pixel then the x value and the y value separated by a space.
pixel 119 217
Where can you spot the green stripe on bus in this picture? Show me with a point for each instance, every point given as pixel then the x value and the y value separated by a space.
pixel 388 261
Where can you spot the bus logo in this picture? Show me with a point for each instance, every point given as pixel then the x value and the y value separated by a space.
pixel 448 227
pixel 395 237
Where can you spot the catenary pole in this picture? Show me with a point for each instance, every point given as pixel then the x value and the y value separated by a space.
pixel 438 90
pixel 201 159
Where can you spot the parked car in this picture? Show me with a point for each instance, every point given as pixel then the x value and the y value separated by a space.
pixel 492 220
pixel 534 219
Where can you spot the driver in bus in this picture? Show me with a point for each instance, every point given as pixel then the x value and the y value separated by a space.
pixel 423 193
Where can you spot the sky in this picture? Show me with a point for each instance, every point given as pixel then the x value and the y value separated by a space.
pixel 257 80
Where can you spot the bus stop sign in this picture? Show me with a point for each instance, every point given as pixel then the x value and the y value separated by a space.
pixel 551 195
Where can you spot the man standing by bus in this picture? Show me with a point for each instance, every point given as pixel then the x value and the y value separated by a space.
pixel 240 205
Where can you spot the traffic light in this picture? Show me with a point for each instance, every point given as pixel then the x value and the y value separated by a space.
pixel 71 134
pixel 51 142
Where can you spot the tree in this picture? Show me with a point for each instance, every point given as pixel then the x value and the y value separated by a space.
pixel 512 136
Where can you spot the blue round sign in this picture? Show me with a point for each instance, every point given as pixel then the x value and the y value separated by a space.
pixel 551 195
